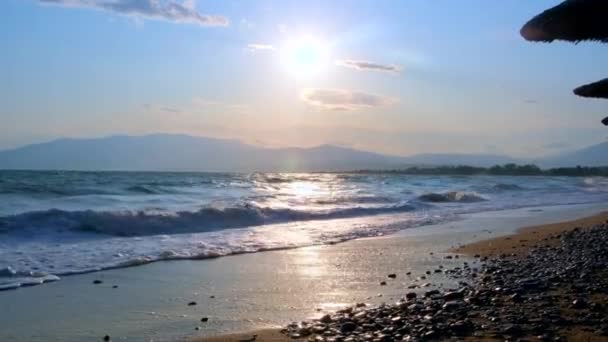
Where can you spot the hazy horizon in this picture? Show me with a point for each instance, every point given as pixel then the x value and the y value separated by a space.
pixel 550 151
pixel 157 152
pixel 389 77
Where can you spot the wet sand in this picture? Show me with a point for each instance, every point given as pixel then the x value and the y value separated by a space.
pixel 519 244
pixel 270 335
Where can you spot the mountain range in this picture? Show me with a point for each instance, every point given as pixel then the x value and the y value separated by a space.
pixel 175 152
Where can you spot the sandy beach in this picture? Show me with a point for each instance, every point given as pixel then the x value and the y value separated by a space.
pixel 520 243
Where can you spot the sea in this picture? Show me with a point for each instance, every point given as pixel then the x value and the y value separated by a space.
pixel 55 223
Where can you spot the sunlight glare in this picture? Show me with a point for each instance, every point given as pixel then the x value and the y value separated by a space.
pixel 305 56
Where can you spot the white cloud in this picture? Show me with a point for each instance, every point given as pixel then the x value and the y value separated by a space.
pixel 197 106
pixel 260 47
pixel 169 10
pixel 343 99
pixel 190 4
pixel 366 65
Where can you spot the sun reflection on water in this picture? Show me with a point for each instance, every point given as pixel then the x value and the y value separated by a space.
pixel 303 188
pixel 312 266
pixel 301 191
pixel 308 262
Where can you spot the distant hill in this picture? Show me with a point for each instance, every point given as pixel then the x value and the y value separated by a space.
pixel 596 155
pixel 171 152
pixel 175 152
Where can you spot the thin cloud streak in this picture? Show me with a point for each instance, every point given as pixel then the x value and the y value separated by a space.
pixel 366 65
pixel 170 11
pixel 343 99
pixel 260 47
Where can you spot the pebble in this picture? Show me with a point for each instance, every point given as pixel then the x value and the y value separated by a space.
pixel 326 319
pixel 452 305
pixel 348 327
pixel 249 339
pixel 453 295
pixel 579 303
pixel 500 298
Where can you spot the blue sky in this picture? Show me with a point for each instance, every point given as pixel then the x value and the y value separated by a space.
pixel 398 77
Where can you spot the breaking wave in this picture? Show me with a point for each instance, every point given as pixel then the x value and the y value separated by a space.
pixel 140 223
pixel 452 196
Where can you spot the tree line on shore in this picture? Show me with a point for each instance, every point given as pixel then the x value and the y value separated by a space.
pixel 510 169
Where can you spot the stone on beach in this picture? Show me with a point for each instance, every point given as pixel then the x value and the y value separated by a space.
pixel 248 338
pixel 347 327
pixel 508 297
pixel 326 319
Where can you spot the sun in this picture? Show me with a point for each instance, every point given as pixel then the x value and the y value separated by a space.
pixel 305 56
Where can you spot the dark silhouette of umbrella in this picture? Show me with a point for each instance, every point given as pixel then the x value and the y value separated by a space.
pixel 572 20
pixel 597 89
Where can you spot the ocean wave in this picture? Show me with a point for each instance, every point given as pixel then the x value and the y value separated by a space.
pixel 62 184
pixel 56 224
pixel 496 188
pixel 145 189
pixel 595 184
pixel 274 179
pixel 16 188
pixel 52 254
pixel 139 223
pixel 452 196
pixel 12 279
pixel 507 186
pixel 364 199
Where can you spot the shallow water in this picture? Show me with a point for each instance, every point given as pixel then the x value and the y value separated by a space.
pixel 59 223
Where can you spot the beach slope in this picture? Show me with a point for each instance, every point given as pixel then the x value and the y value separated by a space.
pixel 541 282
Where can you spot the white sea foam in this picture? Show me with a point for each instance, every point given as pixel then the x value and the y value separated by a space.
pixel 69 252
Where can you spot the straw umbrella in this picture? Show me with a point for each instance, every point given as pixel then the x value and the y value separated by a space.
pixel 573 21
pixel 597 89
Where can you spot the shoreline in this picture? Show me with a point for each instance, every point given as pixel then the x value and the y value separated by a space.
pixel 519 244
pixel 244 293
